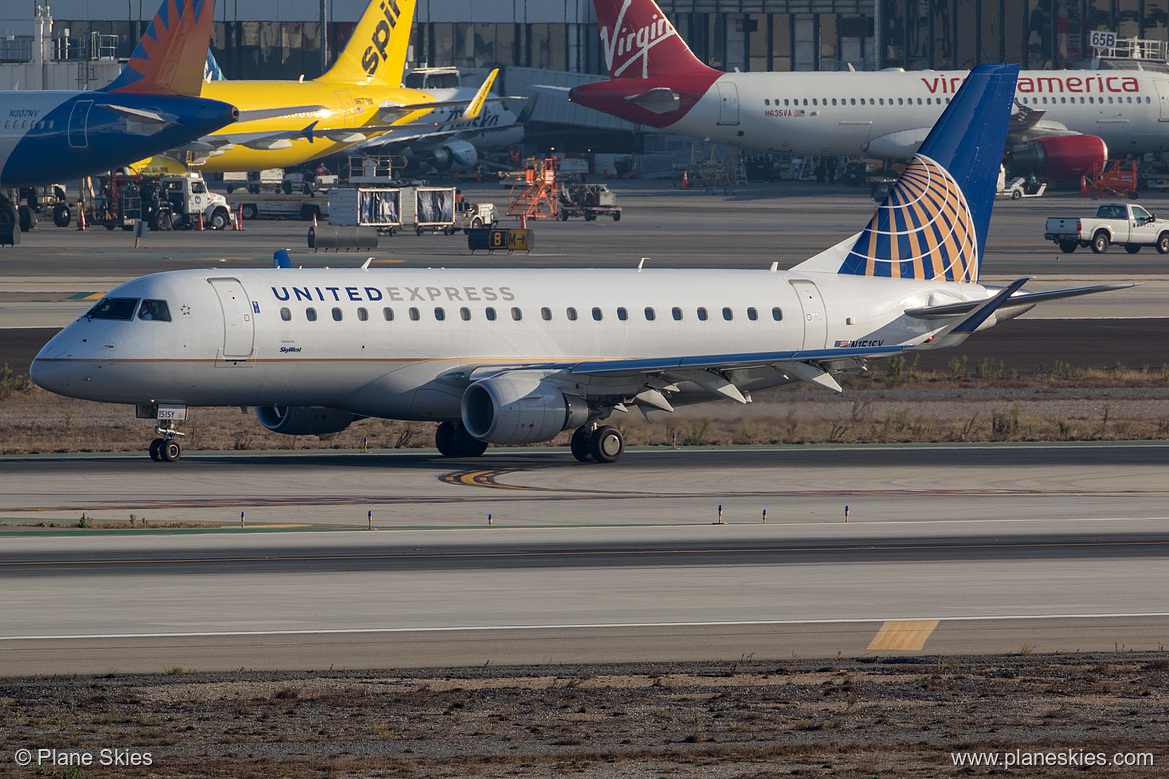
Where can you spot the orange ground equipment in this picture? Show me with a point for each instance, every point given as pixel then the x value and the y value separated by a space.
pixel 1110 179
pixel 534 192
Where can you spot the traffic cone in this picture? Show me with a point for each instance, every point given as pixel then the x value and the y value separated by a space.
pixel 605 172
pixel 80 215
pixel 314 218
pixel 239 222
pixel 199 224
pixel 685 179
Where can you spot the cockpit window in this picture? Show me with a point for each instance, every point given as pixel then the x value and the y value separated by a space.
pixel 154 309
pixel 113 308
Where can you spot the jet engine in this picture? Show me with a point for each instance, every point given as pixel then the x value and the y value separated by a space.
pixel 519 410
pixel 1062 157
pixel 456 155
pixel 304 420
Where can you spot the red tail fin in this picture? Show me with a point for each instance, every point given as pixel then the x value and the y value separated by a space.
pixel 638 41
pixel 170 57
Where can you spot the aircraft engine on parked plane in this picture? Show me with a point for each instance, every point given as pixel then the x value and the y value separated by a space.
pixel 304 420
pixel 1062 157
pixel 520 410
pixel 456 155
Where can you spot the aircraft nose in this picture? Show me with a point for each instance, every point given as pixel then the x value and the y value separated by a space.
pixel 49 374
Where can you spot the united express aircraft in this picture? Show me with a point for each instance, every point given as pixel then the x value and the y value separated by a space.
pixel 1066 121
pixel 518 356
pixel 357 98
pixel 51 136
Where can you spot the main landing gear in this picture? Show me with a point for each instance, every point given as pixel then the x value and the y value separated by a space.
pixel 453 440
pixel 602 444
pixel 166 449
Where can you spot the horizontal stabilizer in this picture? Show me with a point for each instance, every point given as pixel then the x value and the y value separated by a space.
pixel 660 100
pixel 138 114
pixel 1018 299
pixel 257 114
pixel 959 331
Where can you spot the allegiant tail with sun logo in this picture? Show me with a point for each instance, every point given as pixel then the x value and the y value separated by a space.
pixel 519 356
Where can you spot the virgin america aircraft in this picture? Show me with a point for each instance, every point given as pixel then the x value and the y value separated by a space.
pixel 1065 121
pixel 519 356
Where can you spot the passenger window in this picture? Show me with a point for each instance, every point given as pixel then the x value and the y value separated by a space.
pixel 546 314
pixel 622 314
pixel 414 315
pixel 465 313
pixel 597 314
pixel 728 314
pixel 766 101
pixel 677 312
pixel 489 312
pixel 336 315
pixel 570 313
pixel 439 314
pixel 362 314
pixel 516 314
pixel 285 314
pixel 650 314
pixel 752 314
pixel 310 314
pixel 701 314
pixel 777 314
pixel 154 309
pixel 388 313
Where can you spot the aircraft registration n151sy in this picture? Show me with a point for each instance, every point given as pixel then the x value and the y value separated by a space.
pixel 518 356
pixel 53 136
pixel 1068 120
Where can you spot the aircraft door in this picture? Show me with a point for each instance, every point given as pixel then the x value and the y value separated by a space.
pixel 79 124
pixel 239 327
pixel 1163 97
pixel 350 118
pixel 728 105
pixel 815 315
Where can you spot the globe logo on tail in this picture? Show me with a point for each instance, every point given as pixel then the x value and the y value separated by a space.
pixel 922 230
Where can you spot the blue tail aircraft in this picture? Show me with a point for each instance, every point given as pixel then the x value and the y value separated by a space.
pixel 55 136
pixel 519 356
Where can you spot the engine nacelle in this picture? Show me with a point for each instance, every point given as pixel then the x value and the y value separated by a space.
pixel 456 155
pixel 519 410
pixel 1061 157
pixel 304 420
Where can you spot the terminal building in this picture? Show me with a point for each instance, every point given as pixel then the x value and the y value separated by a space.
pixel 282 39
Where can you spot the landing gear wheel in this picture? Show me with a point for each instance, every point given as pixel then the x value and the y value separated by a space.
pixel 453 440
pixel 8 214
pixel 170 451
pixel 579 444
pixel 606 444
pixel 28 218
pixel 61 215
pixel 154 447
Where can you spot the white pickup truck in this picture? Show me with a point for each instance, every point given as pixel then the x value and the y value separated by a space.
pixel 1121 223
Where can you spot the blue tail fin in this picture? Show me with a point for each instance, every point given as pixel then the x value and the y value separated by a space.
pixel 934 222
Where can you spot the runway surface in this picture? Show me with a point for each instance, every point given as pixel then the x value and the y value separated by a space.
pixel 947 550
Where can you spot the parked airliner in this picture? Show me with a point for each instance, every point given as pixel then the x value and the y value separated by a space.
pixel 52 136
pixel 1067 120
pixel 518 356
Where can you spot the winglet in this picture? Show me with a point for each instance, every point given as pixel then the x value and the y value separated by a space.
pixel 171 56
pixel 281 259
pixel 477 102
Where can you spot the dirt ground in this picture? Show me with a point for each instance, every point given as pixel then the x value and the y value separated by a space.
pixel 884 717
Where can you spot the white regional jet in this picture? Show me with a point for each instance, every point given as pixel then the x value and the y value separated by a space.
pixel 517 356
pixel 1068 120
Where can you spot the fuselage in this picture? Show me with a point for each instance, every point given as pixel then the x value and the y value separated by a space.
pixel 386 342
pixel 886 113
pixel 54 136
pixel 343 105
